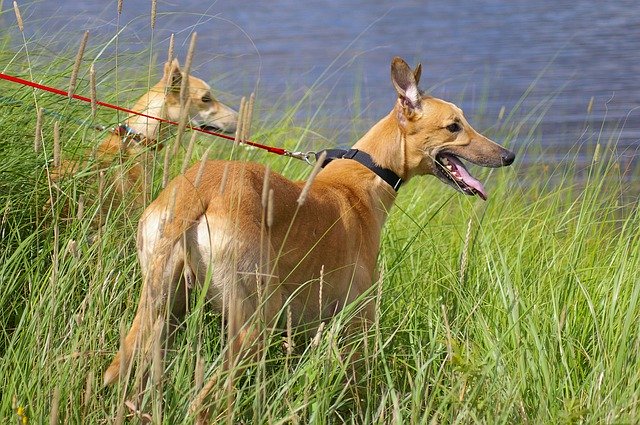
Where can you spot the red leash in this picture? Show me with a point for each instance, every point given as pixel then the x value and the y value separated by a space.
pixel 298 155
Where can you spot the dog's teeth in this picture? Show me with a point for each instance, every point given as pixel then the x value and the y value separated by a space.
pixel 449 167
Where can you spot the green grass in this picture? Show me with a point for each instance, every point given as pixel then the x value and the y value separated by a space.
pixel 523 309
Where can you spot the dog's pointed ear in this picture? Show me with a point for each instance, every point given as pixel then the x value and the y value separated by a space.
pixel 405 82
pixel 173 75
pixel 417 73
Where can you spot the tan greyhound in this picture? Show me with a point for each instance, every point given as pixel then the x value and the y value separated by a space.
pixel 127 143
pixel 216 233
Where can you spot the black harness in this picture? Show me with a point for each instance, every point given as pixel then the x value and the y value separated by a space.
pixel 365 159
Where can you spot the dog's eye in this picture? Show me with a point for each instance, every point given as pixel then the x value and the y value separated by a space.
pixel 206 98
pixel 454 128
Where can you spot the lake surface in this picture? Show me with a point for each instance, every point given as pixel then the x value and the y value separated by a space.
pixel 533 58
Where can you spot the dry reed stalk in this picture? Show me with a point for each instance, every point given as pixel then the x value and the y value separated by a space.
pixel 170 50
pixel 157 371
pixel 88 393
pixel 37 142
pixel 199 372
pixel 172 206
pixel 187 156
pixel 270 209
pixel 265 187
pixel 448 330
pixel 94 93
pixel 247 130
pixel 16 10
pixel 225 177
pixel 316 169
pixel 203 163
pixel 289 332
pixel 55 406
pixel 320 287
pixel 78 62
pixel 240 124
pixel 154 9
pixel 182 125
pixel 318 336
pixel 56 255
pixel 101 183
pixel 465 252
pixel 56 144
pixel 186 71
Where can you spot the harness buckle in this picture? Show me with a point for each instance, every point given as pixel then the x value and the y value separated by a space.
pixel 304 156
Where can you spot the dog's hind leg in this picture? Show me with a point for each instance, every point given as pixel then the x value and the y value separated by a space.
pixel 252 302
pixel 162 304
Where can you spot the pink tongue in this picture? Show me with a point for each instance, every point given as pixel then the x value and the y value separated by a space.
pixel 467 178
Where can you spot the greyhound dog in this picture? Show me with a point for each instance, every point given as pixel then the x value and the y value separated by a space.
pixel 127 143
pixel 210 230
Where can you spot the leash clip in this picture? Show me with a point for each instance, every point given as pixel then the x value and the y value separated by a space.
pixel 304 156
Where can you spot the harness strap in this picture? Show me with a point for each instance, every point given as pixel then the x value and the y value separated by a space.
pixel 391 178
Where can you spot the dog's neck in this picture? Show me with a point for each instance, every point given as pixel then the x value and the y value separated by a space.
pixel 153 104
pixel 385 144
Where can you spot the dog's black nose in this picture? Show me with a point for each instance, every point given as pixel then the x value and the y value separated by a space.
pixel 508 157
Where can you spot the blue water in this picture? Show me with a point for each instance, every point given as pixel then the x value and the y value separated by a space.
pixel 485 55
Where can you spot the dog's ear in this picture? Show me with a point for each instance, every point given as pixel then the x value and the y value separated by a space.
pixel 417 73
pixel 405 82
pixel 173 75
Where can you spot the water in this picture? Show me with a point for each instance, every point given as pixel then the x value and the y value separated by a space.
pixel 484 55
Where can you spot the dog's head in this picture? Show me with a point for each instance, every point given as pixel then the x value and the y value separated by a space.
pixel 437 135
pixel 205 110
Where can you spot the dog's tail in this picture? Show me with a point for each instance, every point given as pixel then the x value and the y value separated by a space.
pixel 177 208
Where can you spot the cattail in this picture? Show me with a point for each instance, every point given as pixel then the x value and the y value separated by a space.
pixel 316 339
pixel 154 8
pixel 247 123
pixel 203 163
pixel 199 371
pixel 120 7
pixel 170 50
pixel 182 124
pixel 596 154
pixel 270 209
pixel 56 144
pixel 239 125
pixel 316 169
pixel 37 143
pixel 55 406
pixel 265 187
pixel 172 205
pixel 184 84
pixel 156 365
pixel 94 96
pixel 187 156
pixel 16 10
pixel 223 180
pixel 289 331
pixel 80 211
pixel 320 286
pixel 88 392
pixel 465 252
pixel 76 65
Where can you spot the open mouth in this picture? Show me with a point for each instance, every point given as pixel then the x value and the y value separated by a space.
pixel 213 128
pixel 452 171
